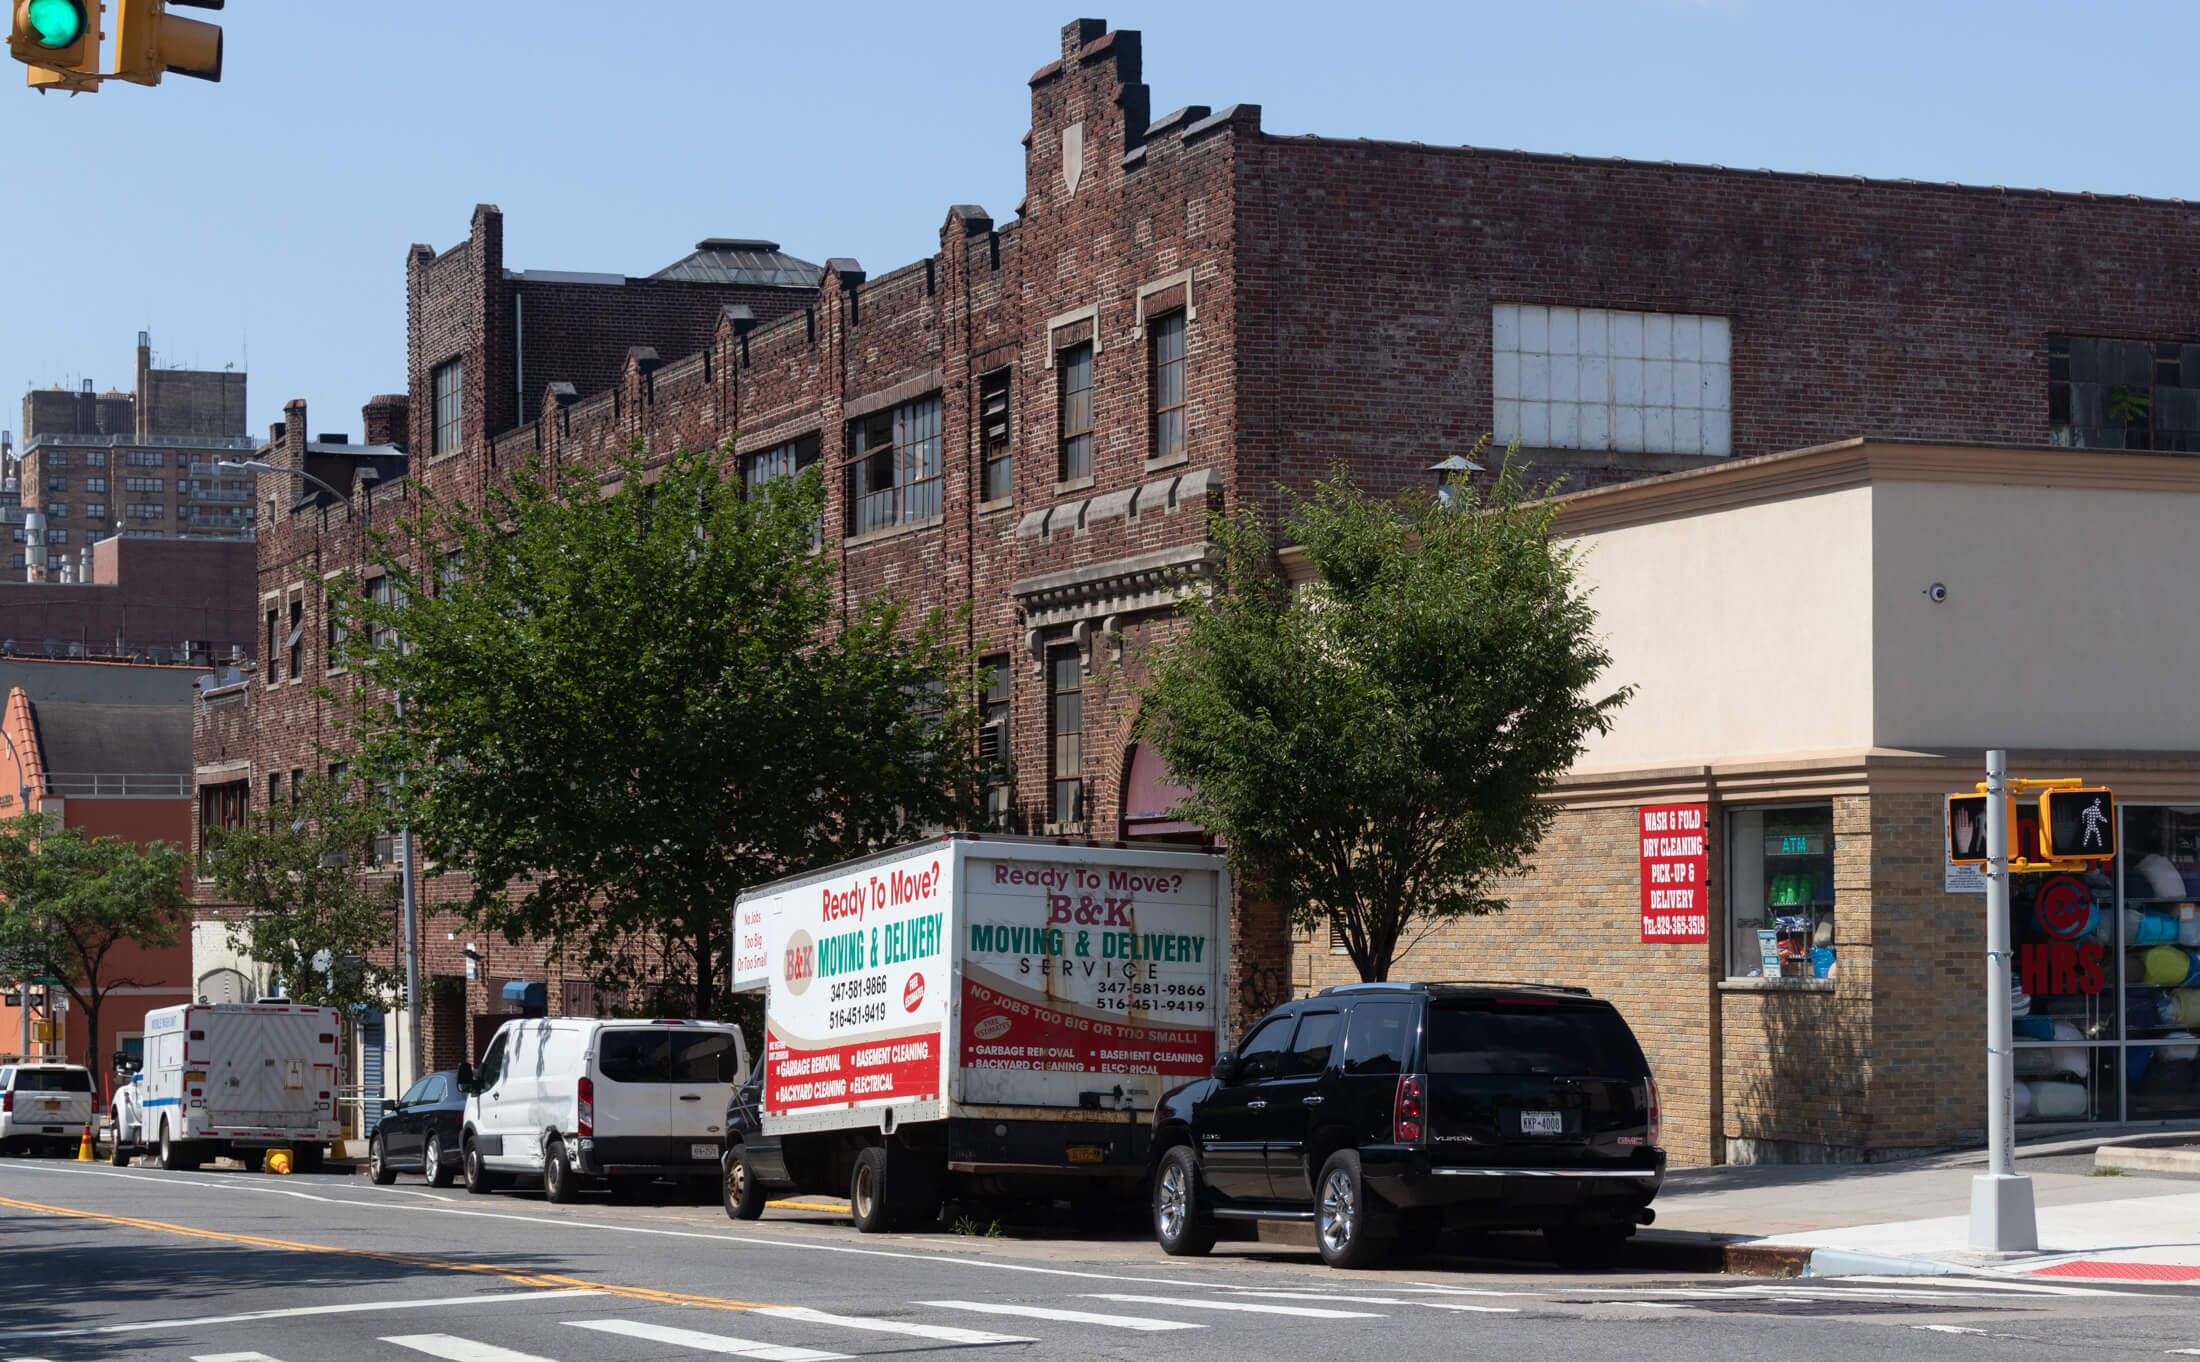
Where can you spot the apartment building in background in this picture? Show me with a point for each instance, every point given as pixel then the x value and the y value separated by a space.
pixel 1188 314
pixel 135 465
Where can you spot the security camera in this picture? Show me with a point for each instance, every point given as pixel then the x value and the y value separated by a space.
pixel 1936 593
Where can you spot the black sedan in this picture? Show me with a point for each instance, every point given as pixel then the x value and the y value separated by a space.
pixel 419 1132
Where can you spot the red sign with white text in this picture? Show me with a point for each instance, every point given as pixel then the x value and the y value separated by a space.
pixel 899 1068
pixel 1000 1031
pixel 1673 869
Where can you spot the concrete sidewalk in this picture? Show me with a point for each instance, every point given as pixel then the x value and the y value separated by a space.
pixel 1914 1217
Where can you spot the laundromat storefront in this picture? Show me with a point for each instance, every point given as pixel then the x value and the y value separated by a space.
pixel 2105 986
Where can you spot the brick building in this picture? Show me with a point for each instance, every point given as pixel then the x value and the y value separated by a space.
pixel 154 600
pixel 137 465
pixel 104 747
pixel 1186 312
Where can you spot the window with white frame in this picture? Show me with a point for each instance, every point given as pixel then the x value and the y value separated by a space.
pixel 1629 382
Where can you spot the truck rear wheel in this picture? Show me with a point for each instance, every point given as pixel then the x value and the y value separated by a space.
pixel 307 1158
pixel 253 1159
pixel 867 1193
pixel 119 1154
pixel 177 1155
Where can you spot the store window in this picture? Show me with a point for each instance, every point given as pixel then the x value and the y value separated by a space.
pixel 2105 987
pixel 1780 892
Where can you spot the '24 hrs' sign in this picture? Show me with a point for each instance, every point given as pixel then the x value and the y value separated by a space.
pixel 1673 866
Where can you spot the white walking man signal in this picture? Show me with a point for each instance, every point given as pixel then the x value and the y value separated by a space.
pixel 2095 819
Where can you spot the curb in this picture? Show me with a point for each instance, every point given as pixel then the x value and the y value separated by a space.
pixel 2139 1159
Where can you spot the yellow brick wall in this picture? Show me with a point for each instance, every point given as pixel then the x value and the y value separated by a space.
pixel 1577 920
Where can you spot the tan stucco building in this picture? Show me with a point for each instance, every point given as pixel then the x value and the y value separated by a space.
pixel 1823 644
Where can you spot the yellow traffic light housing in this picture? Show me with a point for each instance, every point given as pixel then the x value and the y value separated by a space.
pixel 150 42
pixel 2078 824
pixel 58 40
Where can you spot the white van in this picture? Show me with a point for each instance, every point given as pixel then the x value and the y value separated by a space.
pixel 570 1099
pixel 44 1106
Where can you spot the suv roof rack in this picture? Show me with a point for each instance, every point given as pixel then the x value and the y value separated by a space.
pixel 1431 985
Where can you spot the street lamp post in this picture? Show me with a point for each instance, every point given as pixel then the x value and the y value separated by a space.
pixel 410 926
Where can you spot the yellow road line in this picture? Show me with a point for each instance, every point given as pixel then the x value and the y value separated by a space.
pixel 838 1207
pixel 537 1279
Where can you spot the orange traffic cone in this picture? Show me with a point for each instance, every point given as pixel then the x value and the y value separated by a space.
pixel 84 1146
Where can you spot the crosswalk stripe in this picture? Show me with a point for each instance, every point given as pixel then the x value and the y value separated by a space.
pixel 708 1343
pixel 1066 1316
pixel 940 1333
pixel 1246 1307
pixel 455 1349
pixel 1375 1300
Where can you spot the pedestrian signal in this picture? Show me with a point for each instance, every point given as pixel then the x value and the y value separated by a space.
pixel 2077 824
pixel 1967 829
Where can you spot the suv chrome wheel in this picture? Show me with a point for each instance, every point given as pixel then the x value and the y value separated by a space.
pixel 1339 1214
pixel 1173 1202
pixel 1180 1222
pixel 1350 1228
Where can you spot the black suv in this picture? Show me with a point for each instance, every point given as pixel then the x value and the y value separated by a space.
pixel 1388 1113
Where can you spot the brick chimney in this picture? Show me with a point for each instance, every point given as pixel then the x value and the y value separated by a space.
pixel 385 419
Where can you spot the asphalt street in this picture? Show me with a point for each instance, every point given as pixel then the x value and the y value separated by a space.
pixel 219 1266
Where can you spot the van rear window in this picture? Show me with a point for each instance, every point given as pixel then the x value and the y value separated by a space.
pixel 667 1056
pixel 1497 1037
pixel 53 1080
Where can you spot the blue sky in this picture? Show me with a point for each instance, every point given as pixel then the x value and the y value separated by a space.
pixel 266 217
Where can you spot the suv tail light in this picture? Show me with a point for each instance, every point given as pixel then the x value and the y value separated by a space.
pixel 1406 1119
pixel 1650 1100
pixel 585 1117
pixel 7 1101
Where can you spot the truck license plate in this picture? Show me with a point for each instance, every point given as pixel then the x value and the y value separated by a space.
pixel 707 1152
pixel 1542 1123
pixel 53 1106
pixel 1086 1153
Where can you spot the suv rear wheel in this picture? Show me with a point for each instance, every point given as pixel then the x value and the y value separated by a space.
pixel 1347 1227
pixel 1180 1221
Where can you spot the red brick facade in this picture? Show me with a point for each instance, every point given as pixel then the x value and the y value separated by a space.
pixel 1337 300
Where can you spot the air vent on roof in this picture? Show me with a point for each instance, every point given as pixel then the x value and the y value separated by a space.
pixel 735 243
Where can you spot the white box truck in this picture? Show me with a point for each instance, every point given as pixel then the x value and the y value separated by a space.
pixel 977 1016
pixel 234 1079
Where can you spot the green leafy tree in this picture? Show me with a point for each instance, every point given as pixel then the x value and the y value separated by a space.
pixel 301 872
pixel 1374 748
pixel 622 707
pixel 83 909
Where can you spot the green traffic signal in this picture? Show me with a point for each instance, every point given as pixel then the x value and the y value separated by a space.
pixel 55 23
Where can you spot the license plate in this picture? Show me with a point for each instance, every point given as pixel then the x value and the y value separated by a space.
pixel 706 1152
pixel 53 1106
pixel 1086 1153
pixel 1542 1123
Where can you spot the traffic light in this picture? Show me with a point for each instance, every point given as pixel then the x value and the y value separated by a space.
pixel 150 42
pixel 58 40
pixel 2077 824
pixel 1967 829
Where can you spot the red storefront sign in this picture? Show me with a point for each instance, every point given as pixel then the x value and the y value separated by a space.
pixel 1673 871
